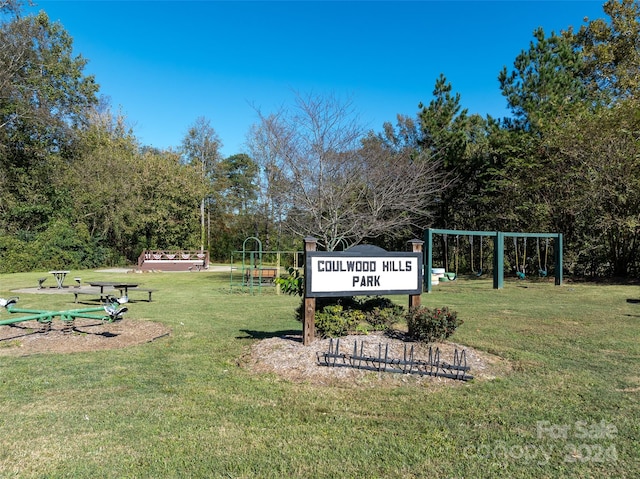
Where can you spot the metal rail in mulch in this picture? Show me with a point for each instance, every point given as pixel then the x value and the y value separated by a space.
pixel 433 366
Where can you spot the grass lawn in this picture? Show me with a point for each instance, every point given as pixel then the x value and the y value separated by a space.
pixel 182 407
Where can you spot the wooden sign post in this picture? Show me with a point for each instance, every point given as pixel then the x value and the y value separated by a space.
pixel 416 247
pixel 309 324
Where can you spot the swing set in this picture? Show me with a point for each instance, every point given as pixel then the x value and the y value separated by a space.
pixel 453 258
pixel 498 238
pixel 521 267
pixel 478 272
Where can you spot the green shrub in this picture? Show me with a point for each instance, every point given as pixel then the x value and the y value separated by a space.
pixel 428 325
pixel 381 313
pixel 334 321
pixel 292 284
pixel 61 245
pixel 383 319
pixel 67 246
pixel 339 316
pixel 370 303
pixel 16 255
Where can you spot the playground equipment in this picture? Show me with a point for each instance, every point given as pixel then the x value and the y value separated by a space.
pixel 478 271
pixel 521 268
pixel 498 238
pixel 542 272
pixel 113 309
pixel 461 254
pixel 251 272
pixel 258 268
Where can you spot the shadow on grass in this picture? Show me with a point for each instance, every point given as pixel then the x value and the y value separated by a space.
pixel 105 334
pixel 632 300
pixel 292 334
pixel 22 330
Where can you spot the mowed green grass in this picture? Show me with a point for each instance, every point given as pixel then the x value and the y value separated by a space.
pixel 182 406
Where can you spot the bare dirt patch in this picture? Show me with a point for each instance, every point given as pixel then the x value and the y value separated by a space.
pixel 289 359
pixel 22 339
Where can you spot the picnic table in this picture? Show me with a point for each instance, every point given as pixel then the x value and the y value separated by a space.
pixel 59 275
pixel 115 285
pixel 125 287
pixel 102 285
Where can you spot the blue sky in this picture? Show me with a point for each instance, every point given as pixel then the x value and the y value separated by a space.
pixel 165 63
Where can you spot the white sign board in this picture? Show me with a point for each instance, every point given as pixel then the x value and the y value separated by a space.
pixel 345 274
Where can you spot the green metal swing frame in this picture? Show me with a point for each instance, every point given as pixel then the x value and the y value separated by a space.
pixel 498 252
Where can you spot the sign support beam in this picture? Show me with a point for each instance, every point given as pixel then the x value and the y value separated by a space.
pixel 309 323
pixel 416 247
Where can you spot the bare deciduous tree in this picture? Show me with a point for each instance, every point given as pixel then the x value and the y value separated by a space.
pixel 331 181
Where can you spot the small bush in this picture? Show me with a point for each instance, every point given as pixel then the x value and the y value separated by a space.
pixel 339 316
pixel 429 325
pixel 17 255
pixel 383 318
pixel 334 321
pixel 292 284
pixel 381 312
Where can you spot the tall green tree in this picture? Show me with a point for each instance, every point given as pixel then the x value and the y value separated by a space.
pixel 546 79
pixel 168 194
pixel 442 122
pixel 200 149
pixel 44 97
pixel 611 51
pixel 100 180
pixel 600 153
pixel 234 212
pixel 444 132
pixel 132 198
pixel 546 84
pixel 238 176
pixel 573 96
pixel 43 91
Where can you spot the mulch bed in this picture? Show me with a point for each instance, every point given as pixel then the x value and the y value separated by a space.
pixel 287 358
pixel 23 339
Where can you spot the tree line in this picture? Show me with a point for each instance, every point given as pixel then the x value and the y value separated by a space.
pixel 79 190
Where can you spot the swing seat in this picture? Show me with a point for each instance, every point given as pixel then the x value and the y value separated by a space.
pixel 542 273
pixel 520 275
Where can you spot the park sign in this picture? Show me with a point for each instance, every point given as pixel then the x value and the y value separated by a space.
pixel 362 271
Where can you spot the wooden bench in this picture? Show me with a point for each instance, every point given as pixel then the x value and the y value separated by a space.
pixel 173 264
pixel 102 296
pixel 264 275
pixel 146 290
pixel 199 265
